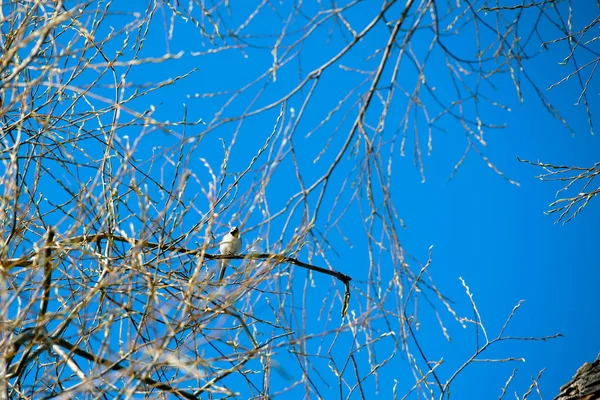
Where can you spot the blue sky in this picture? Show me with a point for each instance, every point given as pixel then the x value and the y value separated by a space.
pixel 491 233
pixel 484 229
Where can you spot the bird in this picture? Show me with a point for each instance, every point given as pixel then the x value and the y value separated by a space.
pixel 230 244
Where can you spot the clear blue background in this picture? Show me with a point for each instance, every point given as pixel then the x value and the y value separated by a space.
pixel 484 229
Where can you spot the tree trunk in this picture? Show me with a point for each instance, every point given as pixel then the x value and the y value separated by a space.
pixel 585 385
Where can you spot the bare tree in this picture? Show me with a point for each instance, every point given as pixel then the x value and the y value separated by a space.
pixel 112 209
pixel 582 55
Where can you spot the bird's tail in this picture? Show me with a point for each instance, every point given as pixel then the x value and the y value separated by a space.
pixel 224 264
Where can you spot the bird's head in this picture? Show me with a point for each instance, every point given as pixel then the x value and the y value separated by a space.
pixel 235 232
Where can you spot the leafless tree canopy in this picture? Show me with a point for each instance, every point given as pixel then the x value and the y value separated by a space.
pixel 126 152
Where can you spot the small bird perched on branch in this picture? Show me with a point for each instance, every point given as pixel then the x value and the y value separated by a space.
pixel 230 245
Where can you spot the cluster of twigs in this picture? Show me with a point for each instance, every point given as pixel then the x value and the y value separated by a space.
pixel 111 207
pixel 576 178
pixel 582 55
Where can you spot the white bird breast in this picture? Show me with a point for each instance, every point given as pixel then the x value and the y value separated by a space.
pixel 230 245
